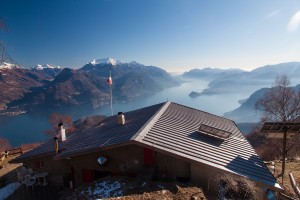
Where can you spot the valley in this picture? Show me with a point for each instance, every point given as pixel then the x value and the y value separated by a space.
pixel 84 92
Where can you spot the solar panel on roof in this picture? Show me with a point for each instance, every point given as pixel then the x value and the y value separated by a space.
pixel 276 129
pixel 214 132
pixel 280 127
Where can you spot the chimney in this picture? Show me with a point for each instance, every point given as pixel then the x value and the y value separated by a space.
pixel 121 118
pixel 61 131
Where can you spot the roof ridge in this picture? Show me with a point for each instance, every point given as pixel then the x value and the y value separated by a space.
pixel 149 124
pixel 203 111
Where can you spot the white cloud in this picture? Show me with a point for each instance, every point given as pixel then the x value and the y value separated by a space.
pixel 294 22
pixel 272 14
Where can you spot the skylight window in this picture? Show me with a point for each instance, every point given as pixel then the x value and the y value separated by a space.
pixel 214 132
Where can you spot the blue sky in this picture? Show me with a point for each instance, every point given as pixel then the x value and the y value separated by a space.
pixel 173 34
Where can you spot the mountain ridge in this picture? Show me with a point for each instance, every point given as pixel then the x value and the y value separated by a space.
pixel 210 73
pixel 257 78
pixel 247 111
pixel 87 87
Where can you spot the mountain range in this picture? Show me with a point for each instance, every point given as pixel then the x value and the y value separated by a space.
pixel 55 87
pixel 210 73
pixel 247 111
pixel 253 84
pixel 15 81
pixel 236 81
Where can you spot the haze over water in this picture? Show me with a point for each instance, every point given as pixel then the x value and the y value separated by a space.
pixel 28 128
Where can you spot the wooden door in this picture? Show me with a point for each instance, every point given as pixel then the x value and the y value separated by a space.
pixel 148 156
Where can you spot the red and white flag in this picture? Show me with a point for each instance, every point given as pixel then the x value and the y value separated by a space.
pixel 109 80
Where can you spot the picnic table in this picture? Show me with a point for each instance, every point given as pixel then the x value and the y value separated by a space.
pixel 41 175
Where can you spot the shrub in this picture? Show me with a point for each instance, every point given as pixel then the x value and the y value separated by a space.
pixel 236 187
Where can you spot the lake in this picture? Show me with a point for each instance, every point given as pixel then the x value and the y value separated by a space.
pixel 28 128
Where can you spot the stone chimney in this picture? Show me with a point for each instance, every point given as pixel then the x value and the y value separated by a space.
pixel 61 131
pixel 121 118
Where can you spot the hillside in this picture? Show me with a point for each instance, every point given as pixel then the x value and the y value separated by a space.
pixel 210 73
pixel 247 112
pixel 48 71
pixel 253 80
pixel 69 89
pixel 131 79
pixel 87 87
pixel 16 81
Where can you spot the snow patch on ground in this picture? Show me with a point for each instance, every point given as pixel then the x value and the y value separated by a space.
pixel 103 189
pixel 9 190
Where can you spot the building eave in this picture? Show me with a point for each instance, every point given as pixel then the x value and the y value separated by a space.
pixel 88 151
pixel 39 156
pixel 174 154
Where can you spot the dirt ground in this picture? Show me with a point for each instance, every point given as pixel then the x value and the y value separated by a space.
pixel 6 167
pixel 123 188
pixel 183 192
pixel 291 166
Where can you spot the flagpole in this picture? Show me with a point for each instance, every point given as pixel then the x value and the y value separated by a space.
pixel 111 108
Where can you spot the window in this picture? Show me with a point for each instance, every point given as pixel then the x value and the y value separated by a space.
pixel 214 132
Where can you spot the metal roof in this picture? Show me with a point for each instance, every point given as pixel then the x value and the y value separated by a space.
pixel 108 133
pixel 171 128
pixel 175 131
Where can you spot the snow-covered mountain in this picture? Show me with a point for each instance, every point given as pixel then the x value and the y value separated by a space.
pixel 5 65
pixel 104 61
pixel 46 66
pixel 47 70
pixel 87 88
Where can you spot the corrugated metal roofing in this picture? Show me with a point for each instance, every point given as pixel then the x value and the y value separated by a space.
pixel 108 133
pixel 176 131
pixel 172 128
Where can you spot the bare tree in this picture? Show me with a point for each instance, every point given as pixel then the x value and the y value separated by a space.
pixel 4 55
pixel 55 119
pixel 281 104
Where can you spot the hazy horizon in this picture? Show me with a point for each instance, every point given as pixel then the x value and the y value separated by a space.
pixel 173 70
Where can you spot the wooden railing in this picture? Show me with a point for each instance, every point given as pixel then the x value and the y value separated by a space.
pixel 14 151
